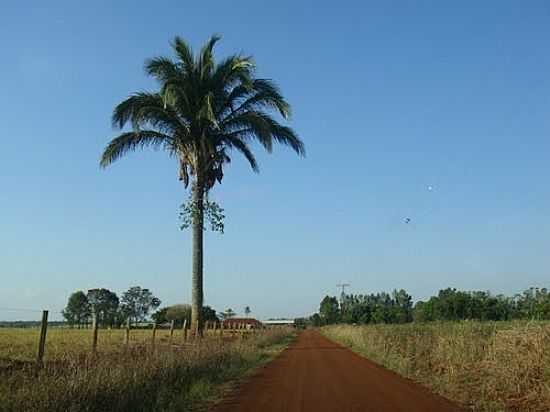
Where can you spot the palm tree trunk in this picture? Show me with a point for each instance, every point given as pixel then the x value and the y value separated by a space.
pixel 197 286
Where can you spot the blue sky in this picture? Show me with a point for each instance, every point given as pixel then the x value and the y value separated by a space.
pixel 389 97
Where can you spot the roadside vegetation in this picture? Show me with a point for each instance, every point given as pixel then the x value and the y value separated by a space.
pixel 139 378
pixel 485 366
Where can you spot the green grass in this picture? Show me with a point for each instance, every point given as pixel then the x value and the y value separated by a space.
pixel 485 366
pixel 135 379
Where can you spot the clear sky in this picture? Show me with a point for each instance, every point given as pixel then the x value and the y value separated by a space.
pixel 389 97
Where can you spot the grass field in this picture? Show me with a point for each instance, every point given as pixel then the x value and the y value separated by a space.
pixel 21 344
pixel 486 366
pixel 137 378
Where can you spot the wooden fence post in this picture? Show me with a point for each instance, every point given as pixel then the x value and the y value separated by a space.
pixel 171 331
pixel 154 334
pixel 127 333
pixel 185 330
pixel 42 341
pixel 94 333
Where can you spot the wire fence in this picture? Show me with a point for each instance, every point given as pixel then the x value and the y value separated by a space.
pixel 38 339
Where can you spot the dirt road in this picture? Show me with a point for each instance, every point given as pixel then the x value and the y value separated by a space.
pixel 316 375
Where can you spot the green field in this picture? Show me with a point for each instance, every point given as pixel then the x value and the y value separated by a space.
pixel 486 366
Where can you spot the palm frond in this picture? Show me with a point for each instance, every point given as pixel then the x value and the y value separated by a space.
pixel 242 147
pixel 265 129
pixel 185 54
pixel 287 137
pixel 264 94
pixel 130 141
pixel 161 68
pixel 206 111
pixel 206 63
pixel 147 109
pixel 235 68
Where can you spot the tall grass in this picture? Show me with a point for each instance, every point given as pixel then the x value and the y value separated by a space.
pixel 137 379
pixel 486 366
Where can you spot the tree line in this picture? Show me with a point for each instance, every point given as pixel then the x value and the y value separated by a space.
pixel 111 311
pixel 182 312
pixel 136 304
pixel 449 304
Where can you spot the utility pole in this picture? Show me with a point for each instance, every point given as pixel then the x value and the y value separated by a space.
pixel 343 294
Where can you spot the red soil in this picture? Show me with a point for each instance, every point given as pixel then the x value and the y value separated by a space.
pixel 315 374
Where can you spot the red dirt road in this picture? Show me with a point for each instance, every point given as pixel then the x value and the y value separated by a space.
pixel 316 375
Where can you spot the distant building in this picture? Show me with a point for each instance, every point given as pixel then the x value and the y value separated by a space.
pixel 250 323
pixel 279 322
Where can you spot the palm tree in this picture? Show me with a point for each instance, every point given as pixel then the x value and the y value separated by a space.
pixel 228 314
pixel 202 112
pixel 247 311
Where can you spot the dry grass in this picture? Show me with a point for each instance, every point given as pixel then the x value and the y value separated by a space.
pixel 140 378
pixel 487 366
pixel 22 344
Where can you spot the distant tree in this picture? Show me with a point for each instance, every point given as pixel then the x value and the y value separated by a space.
pixel 209 314
pixel 228 314
pixel 402 306
pixel 77 310
pixel 137 303
pixel 105 305
pixel 247 311
pixel 380 315
pixel 316 320
pixel 160 315
pixel 423 311
pixel 181 312
pixel 301 323
pixel 452 304
pixel 329 310
pixel 534 303
pixel 374 308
